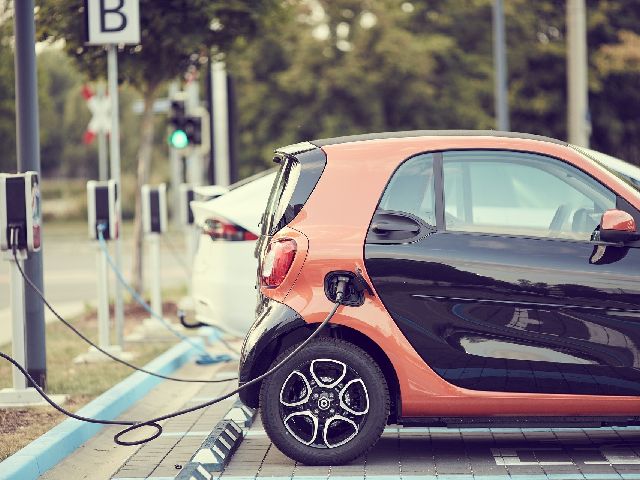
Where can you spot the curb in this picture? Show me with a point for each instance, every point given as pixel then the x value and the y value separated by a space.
pixel 215 452
pixel 241 414
pixel 59 442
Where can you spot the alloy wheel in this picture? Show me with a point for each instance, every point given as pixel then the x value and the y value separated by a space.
pixel 324 403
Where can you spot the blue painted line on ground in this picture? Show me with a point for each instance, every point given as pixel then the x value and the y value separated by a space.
pixel 62 440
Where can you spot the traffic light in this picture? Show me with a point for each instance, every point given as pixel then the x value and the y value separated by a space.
pixel 193 129
pixel 178 137
pixel 186 130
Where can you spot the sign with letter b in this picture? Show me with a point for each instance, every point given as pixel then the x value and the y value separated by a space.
pixel 112 22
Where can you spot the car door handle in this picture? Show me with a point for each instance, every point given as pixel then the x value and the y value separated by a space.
pixel 387 227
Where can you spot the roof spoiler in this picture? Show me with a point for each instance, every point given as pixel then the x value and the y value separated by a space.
pixel 292 150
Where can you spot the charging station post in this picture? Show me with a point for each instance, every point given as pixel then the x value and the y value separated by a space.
pixel 20 220
pixel 102 205
pixel 154 224
pixel 187 195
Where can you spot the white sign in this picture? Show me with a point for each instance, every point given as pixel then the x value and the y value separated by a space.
pixel 100 108
pixel 112 21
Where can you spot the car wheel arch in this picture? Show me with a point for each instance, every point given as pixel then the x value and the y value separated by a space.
pixel 297 334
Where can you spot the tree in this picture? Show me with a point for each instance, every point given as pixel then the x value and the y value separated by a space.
pixel 7 94
pixel 174 36
pixel 348 66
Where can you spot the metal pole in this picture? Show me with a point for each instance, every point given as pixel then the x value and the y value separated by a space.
pixel 174 165
pixel 112 75
pixel 28 153
pixel 103 298
pixel 500 67
pixel 220 122
pixel 153 240
pixel 103 167
pixel 16 296
pixel 579 125
pixel 195 173
pixel 233 129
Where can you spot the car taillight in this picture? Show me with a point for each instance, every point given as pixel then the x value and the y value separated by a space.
pixel 277 262
pixel 220 229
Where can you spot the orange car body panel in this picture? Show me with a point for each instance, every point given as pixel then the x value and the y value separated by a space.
pixel 331 230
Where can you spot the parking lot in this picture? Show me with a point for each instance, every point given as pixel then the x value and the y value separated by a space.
pixel 424 453
pixel 442 453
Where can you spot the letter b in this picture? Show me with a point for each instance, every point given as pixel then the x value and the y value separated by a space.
pixel 104 11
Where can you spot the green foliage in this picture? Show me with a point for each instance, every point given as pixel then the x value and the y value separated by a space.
pixel 351 66
pixel 428 65
pixel 174 34
pixel 7 100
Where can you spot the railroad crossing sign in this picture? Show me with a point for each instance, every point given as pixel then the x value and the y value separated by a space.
pixel 100 108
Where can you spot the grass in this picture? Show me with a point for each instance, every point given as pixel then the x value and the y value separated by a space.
pixel 81 382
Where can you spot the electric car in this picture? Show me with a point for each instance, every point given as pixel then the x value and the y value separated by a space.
pixel 224 268
pixel 494 279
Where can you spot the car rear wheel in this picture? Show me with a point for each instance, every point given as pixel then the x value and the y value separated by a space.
pixel 326 406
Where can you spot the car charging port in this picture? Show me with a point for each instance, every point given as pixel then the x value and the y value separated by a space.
pixel 354 287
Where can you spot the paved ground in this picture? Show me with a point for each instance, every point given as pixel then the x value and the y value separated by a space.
pixel 481 454
pixel 401 453
pixel 100 458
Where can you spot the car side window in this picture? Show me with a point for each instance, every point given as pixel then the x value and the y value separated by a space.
pixel 410 189
pixel 518 193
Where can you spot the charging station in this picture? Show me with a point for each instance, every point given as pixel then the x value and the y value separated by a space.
pixel 154 224
pixel 154 209
pixel 20 196
pixel 102 203
pixel 187 195
pixel 102 213
pixel 20 229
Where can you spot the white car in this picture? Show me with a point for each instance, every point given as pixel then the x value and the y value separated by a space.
pixel 224 268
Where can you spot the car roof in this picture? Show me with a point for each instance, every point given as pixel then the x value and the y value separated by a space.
pixel 432 133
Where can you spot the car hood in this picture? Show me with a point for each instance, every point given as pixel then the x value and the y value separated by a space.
pixel 243 205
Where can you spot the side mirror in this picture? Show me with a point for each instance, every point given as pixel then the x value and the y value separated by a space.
pixel 617 226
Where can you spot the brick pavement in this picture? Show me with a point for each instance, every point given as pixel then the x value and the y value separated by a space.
pixel 99 458
pixel 181 436
pixel 448 454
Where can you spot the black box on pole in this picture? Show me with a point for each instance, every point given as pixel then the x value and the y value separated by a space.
pixel 20 207
pixel 102 201
pixel 154 208
pixel 184 207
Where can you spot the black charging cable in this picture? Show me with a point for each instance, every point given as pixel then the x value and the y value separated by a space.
pixel 14 231
pixel 153 423
pixel 342 283
pixel 62 410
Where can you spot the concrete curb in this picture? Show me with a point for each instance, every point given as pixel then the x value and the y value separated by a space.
pixel 59 442
pixel 215 452
pixel 241 414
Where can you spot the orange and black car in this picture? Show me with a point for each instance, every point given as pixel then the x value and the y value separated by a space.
pixel 502 287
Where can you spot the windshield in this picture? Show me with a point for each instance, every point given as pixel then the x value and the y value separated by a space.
pixel 627 172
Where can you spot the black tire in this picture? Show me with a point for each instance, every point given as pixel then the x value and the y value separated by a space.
pixel 359 431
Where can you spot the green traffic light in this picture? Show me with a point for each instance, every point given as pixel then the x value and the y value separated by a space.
pixel 178 139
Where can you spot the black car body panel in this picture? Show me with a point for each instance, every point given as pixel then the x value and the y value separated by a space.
pixel 514 314
pixel 274 321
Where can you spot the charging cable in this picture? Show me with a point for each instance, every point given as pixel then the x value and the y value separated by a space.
pixel 153 423
pixel 136 296
pixel 13 236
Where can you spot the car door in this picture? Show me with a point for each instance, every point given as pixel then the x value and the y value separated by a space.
pixel 498 284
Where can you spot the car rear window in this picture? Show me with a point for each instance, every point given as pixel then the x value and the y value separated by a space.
pixel 296 179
